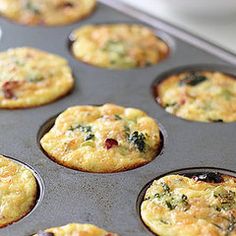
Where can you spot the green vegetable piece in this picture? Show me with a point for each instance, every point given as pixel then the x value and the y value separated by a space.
pixel 218 226
pixel 81 128
pixel 117 117
pixel 89 143
pixel 231 226
pixel 226 199
pixel 89 137
pixel 170 104
pixel 165 187
pixel 227 94
pixel 19 62
pixel 35 78
pixel 114 46
pixel 157 195
pixel 127 130
pixel 164 221
pixel 147 198
pixel 118 55
pixel 184 202
pixel 170 206
pixel 85 129
pixel 138 140
pixel 31 7
pixel 193 79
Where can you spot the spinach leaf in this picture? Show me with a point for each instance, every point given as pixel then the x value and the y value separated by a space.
pixel 193 79
pixel 138 139
pixel 89 136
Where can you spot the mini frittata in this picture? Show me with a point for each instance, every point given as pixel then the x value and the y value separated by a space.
pixel 46 12
pixel 75 230
pixel 102 139
pixel 176 205
pixel 31 77
pixel 118 46
pixel 18 191
pixel 199 96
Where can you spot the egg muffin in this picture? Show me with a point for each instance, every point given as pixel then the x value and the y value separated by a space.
pixel 102 139
pixel 199 96
pixel 177 205
pixel 30 77
pixel 118 46
pixel 75 229
pixel 18 191
pixel 46 12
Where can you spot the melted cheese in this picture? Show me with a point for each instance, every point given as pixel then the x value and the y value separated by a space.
pixel 119 46
pixel 175 206
pixel 106 138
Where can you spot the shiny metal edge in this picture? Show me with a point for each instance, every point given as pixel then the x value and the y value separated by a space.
pixel 173 30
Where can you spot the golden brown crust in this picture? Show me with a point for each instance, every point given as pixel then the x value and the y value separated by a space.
pixel 18 189
pixel 46 12
pixel 118 46
pixel 31 77
pixel 102 139
pixel 35 106
pixel 108 170
pixel 199 96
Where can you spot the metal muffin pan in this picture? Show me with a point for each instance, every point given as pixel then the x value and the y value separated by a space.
pixel 109 200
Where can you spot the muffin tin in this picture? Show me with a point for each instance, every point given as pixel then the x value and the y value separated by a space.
pixel 109 200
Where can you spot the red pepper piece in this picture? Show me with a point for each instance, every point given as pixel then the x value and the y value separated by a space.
pixel 182 101
pixel 8 88
pixel 109 143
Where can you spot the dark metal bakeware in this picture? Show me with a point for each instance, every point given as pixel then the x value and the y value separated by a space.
pixel 109 200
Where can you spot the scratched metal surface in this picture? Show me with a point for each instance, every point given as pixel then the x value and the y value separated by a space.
pixel 107 200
